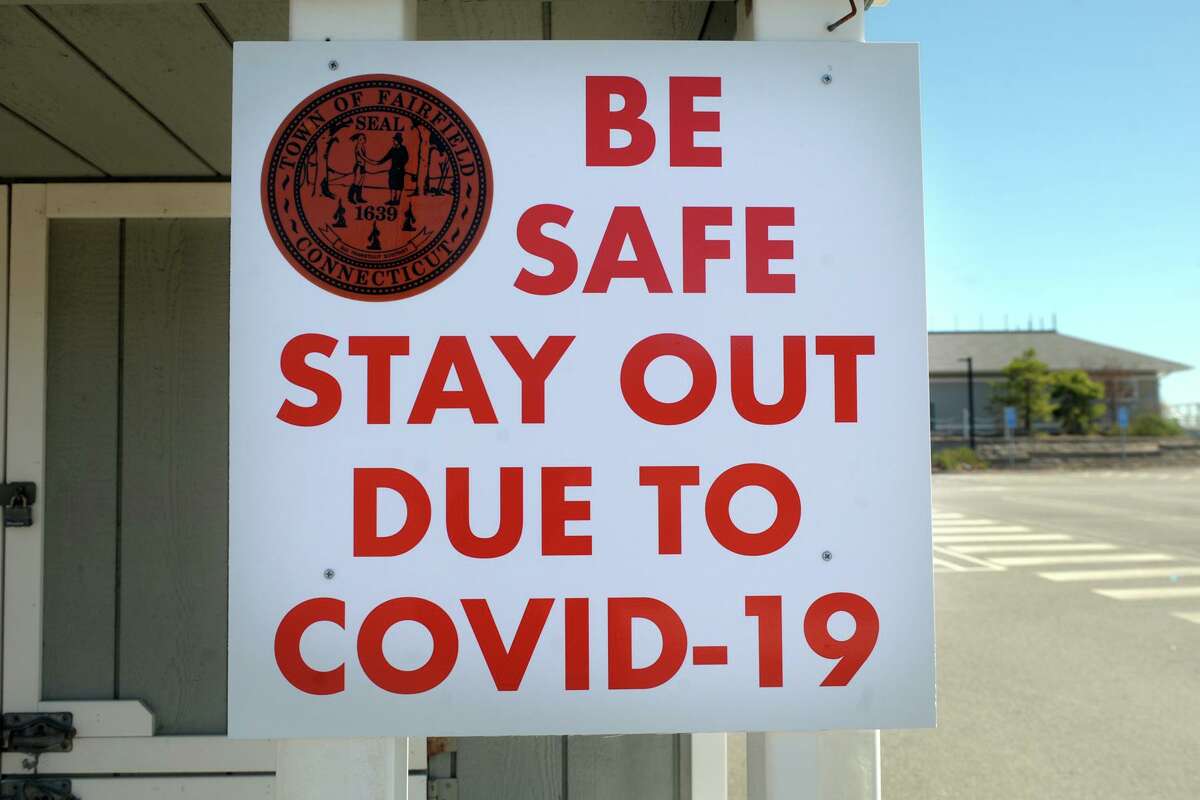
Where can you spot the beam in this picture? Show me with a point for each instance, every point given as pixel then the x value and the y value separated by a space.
pixel 831 765
pixel 375 768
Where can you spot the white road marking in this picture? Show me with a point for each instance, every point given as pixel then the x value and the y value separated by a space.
pixel 978 564
pixel 1098 558
pixel 1075 547
pixel 1000 537
pixel 938 562
pixel 1151 593
pixel 947 515
pixel 1119 574
pixel 1190 616
pixel 937 523
pixel 981 529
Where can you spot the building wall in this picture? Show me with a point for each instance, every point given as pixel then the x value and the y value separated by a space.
pixel 1139 392
pixel 948 400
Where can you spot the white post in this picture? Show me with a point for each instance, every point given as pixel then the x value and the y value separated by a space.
pixel 318 769
pixel 832 765
pixel 836 765
pixel 365 769
pixel 710 766
pixel 339 20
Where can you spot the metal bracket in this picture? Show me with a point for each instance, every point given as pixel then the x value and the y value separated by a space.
pixel 442 768
pixel 36 789
pixel 37 733
pixel 442 789
pixel 833 26
pixel 11 491
pixel 853 13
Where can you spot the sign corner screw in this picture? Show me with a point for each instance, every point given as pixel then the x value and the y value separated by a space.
pixel 329 574
pixel 333 65
pixel 825 79
pixel 826 555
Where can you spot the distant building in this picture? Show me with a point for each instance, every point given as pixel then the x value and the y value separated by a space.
pixel 1129 378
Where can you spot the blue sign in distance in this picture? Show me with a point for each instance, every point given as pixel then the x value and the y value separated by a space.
pixel 1010 418
pixel 1123 417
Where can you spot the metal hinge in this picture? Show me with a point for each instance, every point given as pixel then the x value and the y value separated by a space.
pixel 442 774
pixel 38 732
pixel 36 789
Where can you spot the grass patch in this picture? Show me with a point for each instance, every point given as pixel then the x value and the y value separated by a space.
pixel 958 458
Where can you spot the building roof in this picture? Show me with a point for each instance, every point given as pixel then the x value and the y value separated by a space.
pixel 135 89
pixel 993 350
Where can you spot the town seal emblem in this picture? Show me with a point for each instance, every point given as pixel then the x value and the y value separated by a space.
pixel 376 187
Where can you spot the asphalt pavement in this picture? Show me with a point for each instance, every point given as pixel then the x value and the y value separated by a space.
pixel 1068 623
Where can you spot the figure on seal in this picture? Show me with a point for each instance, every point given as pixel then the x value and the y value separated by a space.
pixel 359 176
pixel 397 161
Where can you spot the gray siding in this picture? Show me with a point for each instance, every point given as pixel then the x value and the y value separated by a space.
pixel 136 441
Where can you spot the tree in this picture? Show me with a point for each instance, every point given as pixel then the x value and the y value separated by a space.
pixel 1026 385
pixel 1077 400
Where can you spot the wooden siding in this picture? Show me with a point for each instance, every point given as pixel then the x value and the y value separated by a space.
pixel 137 476
pixel 174 471
pixel 78 647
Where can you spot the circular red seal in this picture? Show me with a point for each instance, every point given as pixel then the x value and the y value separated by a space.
pixel 376 187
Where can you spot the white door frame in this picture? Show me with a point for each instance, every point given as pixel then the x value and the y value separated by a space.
pixel 112 736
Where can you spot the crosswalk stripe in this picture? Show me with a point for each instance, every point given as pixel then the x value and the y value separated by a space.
pixel 1151 593
pixel 938 562
pixel 999 537
pixel 946 515
pixel 1190 616
pixel 937 523
pixel 976 564
pixel 1074 547
pixel 981 529
pixel 1119 574
pixel 1096 558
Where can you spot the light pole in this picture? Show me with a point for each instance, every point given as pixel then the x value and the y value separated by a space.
pixel 970 397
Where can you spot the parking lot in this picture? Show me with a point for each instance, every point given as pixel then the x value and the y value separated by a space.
pixel 1068 621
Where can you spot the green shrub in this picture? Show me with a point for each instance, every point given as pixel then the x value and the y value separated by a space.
pixel 958 458
pixel 1026 387
pixel 1154 425
pixel 1077 401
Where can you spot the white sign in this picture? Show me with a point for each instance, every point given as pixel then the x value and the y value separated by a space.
pixel 577 388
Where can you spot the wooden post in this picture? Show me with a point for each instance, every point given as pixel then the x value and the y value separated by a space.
pixel 835 765
pixel 339 20
pixel 710 766
pixel 365 769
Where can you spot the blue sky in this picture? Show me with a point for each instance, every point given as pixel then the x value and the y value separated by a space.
pixel 1062 167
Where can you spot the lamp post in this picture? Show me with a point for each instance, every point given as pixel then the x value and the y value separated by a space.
pixel 970 397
